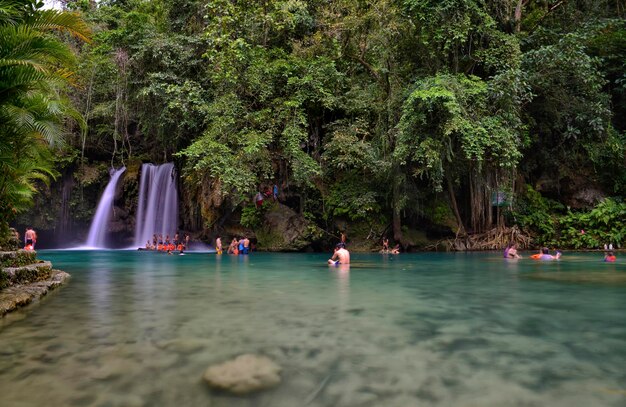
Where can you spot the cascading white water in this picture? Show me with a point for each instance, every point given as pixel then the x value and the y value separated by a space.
pixel 157 210
pixel 98 229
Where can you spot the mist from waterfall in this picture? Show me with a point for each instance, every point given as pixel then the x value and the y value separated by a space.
pixel 98 229
pixel 157 210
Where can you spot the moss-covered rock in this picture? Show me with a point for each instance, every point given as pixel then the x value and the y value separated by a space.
pixel 285 230
pixel 17 258
pixel 9 239
pixel 23 279
pixel 4 280
pixel 28 274
pixel 20 295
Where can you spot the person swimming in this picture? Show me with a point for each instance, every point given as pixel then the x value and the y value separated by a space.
pixel 545 254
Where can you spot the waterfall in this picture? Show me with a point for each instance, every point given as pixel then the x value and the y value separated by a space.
pixel 64 223
pixel 157 210
pixel 98 229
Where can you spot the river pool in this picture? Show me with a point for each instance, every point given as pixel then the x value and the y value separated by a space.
pixel 139 329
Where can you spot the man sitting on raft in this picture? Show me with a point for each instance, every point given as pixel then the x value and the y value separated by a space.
pixel 341 255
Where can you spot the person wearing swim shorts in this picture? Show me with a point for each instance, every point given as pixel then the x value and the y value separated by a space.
pixel 341 255
pixel 30 238
pixel 258 199
pixel 246 245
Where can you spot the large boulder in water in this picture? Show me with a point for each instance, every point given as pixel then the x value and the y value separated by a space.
pixel 285 230
pixel 245 374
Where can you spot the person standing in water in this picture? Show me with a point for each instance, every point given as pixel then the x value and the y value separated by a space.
pixel 246 245
pixel 240 245
pixel 511 251
pixel 341 255
pixel 232 249
pixel 218 245
pixel 186 241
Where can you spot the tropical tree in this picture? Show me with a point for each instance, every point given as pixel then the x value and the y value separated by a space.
pixel 34 70
pixel 264 94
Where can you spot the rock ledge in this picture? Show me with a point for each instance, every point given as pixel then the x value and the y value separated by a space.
pixel 24 283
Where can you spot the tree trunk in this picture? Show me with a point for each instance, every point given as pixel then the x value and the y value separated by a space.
pixel 518 16
pixel 455 208
pixel 397 220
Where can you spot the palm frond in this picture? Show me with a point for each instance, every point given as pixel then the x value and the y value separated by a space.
pixel 62 21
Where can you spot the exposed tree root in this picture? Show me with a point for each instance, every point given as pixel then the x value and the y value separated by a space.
pixel 493 239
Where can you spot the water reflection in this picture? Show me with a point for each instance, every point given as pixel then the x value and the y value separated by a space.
pixel 341 273
pixel 100 290
pixel 406 330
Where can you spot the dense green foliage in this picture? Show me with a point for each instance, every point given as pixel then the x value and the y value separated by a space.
pixel 394 112
pixel 557 226
pixel 34 72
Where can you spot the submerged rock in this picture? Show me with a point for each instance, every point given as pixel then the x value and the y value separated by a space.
pixel 244 374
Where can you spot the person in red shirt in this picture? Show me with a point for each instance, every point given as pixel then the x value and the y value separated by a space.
pixel 610 257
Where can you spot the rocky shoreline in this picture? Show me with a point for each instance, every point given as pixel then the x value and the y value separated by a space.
pixel 24 279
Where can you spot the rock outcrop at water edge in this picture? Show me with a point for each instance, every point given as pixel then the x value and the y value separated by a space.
pixel 285 230
pixel 244 374
pixel 23 279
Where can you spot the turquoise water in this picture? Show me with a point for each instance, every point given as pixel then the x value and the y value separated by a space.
pixel 139 329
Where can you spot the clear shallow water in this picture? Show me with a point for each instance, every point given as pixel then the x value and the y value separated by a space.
pixel 139 329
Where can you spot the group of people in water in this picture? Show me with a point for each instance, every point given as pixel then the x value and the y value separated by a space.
pixel 168 245
pixel 510 252
pixel 236 246
pixel 341 255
